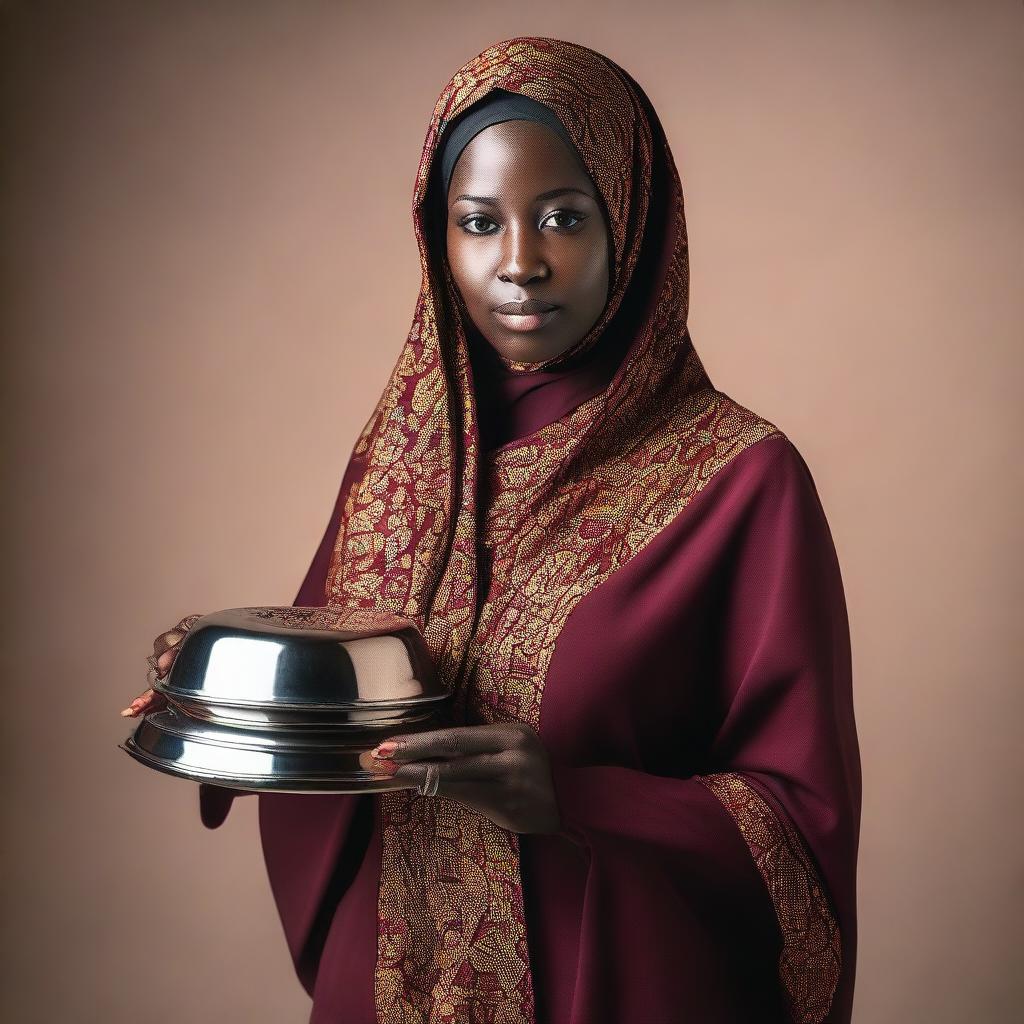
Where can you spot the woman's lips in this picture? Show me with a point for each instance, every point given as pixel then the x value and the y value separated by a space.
pixel 527 321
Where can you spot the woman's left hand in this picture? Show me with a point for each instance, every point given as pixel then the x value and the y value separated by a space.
pixel 501 771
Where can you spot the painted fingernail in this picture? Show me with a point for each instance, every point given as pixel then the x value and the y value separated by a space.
pixel 388 767
pixel 386 749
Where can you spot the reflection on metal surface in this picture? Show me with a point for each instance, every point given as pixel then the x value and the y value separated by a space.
pixel 235 657
pixel 249 760
pixel 290 699
pixel 243 668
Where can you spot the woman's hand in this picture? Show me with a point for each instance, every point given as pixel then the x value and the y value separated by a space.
pixel 501 771
pixel 151 700
pixel 165 650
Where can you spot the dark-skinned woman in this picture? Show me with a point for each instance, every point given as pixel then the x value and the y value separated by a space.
pixel 646 806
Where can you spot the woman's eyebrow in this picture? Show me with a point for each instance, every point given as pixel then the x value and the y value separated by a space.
pixel 550 194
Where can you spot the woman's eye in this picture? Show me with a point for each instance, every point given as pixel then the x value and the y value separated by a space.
pixel 477 223
pixel 474 219
pixel 575 217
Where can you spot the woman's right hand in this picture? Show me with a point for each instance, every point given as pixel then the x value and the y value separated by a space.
pixel 150 700
pixel 165 650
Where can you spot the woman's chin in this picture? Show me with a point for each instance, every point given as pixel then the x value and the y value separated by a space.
pixel 531 348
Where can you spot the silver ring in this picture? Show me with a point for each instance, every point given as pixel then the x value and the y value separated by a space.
pixel 428 787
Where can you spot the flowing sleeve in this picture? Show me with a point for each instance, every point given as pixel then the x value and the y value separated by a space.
pixel 215 801
pixel 781 776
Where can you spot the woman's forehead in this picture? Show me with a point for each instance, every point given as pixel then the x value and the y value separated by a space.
pixel 523 148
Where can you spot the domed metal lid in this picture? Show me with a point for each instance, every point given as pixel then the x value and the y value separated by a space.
pixel 306 658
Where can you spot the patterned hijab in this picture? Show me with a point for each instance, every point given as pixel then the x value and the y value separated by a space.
pixel 516 398
pixel 488 552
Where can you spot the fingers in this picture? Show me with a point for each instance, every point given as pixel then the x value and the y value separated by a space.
pixel 476 768
pixel 458 741
pixel 165 650
pixel 136 706
pixel 145 702
pixel 170 639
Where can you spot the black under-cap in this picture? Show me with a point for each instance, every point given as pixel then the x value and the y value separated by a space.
pixel 497 106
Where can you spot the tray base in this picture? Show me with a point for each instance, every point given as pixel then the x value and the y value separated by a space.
pixel 363 783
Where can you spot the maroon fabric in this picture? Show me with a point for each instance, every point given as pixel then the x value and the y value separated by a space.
pixel 722 646
pixel 514 403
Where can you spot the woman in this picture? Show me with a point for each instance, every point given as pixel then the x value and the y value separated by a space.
pixel 647 806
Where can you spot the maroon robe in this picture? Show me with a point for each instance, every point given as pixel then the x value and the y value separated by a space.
pixel 722 647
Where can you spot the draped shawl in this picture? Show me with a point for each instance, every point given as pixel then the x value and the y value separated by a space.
pixel 567 507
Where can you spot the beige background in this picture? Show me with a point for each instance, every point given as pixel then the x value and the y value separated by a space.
pixel 208 269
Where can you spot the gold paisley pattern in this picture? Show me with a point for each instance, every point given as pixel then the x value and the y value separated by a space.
pixel 547 564
pixel 556 513
pixel 357 621
pixel 811 957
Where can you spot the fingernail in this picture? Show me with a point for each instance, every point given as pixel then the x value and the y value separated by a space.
pixel 385 749
pixel 388 767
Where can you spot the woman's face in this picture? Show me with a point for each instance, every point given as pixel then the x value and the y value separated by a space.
pixel 525 225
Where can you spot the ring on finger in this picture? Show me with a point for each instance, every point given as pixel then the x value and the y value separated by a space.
pixel 428 787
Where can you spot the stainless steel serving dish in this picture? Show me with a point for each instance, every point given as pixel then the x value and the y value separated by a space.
pixel 246 759
pixel 304 662
pixel 290 699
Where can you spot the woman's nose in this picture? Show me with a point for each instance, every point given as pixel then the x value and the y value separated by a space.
pixel 521 259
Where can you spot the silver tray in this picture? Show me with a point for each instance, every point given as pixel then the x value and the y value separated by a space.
pixel 290 699
pixel 323 761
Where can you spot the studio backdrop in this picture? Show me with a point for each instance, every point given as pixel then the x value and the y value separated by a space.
pixel 207 270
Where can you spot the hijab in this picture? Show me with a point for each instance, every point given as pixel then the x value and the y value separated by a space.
pixel 517 398
pixel 471 542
